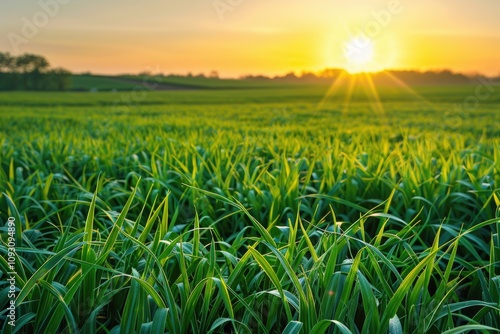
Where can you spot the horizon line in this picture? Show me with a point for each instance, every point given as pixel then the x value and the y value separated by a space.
pixel 297 73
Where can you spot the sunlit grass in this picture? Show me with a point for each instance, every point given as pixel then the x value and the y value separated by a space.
pixel 255 217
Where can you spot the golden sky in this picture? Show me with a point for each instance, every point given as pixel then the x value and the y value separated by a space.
pixel 238 37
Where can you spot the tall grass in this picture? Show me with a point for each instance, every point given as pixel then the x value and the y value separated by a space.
pixel 251 218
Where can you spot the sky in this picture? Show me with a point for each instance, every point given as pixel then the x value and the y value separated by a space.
pixel 240 37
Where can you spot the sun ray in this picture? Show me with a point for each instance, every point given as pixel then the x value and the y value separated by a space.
pixel 373 93
pixel 333 89
pixel 347 101
pixel 410 90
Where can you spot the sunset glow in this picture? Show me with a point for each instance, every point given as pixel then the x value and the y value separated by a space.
pixel 359 54
pixel 255 37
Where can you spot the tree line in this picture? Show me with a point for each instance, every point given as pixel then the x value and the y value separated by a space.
pixel 410 77
pixel 31 72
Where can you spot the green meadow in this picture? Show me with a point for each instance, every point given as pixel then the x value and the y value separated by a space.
pixel 254 209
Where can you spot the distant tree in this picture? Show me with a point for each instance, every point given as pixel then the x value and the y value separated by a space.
pixel 57 79
pixel 330 73
pixel 214 75
pixel 308 76
pixel 31 63
pixel 256 77
pixel 32 68
pixel 7 78
pixel 6 62
pixel 288 77
pixel 32 72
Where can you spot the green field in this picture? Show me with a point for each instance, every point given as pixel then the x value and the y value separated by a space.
pixel 252 211
pixel 98 83
pixel 87 82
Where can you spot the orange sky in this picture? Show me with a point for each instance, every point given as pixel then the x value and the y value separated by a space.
pixel 258 36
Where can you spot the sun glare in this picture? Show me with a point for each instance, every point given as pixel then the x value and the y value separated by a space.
pixel 359 53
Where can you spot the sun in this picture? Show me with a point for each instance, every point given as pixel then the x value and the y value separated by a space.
pixel 359 54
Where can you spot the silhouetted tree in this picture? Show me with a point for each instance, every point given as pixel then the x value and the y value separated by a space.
pixel 6 62
pixel 31 72
pixel 32 68
pixel 58 79
pixel 214 75
pixel 31 63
